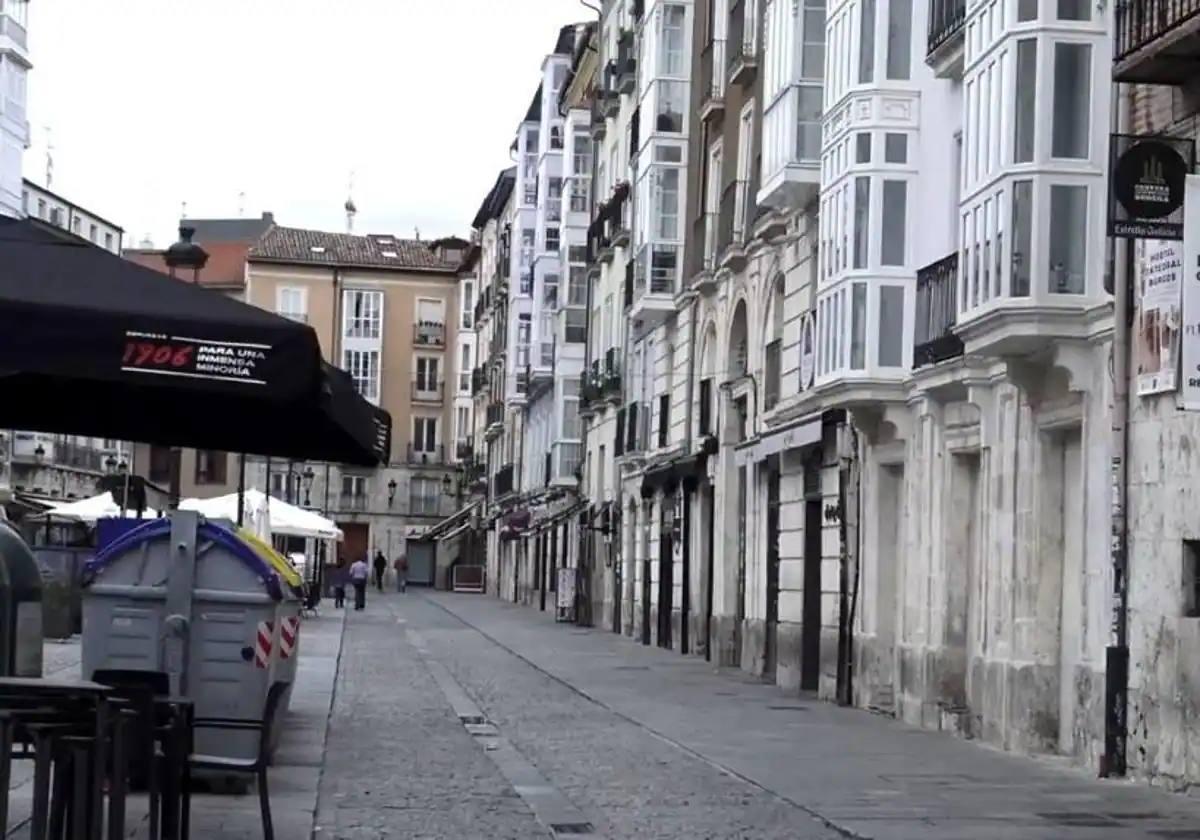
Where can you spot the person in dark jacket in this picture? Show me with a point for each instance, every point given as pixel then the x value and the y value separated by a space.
pixel 340 576
pixel 380 568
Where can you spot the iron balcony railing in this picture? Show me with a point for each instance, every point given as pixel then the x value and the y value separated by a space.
pixel 427 390
pixel 353 501
pixel 425 455
pixel 1137 23
pixel 479 380
pixel 733 212
pixel 611 383
pixel 937 310
pixel 946 19
pixel 464 451
pixel 502 481
pixel 742 32
pixel 429 334
pixel 495 413
pixel 712 71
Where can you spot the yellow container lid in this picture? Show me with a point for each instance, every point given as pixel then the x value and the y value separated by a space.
pixel 282 566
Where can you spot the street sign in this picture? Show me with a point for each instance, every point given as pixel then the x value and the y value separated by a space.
pixel 1147 176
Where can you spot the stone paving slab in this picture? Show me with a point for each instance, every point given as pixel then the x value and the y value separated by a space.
pixel 294 778
pixel 861 774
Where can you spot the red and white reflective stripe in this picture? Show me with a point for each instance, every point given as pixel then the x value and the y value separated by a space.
pixel 289 631
pixel 262 649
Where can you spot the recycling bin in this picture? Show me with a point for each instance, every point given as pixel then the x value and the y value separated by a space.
pixel 203 603
pixel 20 606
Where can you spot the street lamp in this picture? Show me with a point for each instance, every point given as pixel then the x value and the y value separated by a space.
pixel 110 464
pixel 184 256
pixel 39 454
pixel 122 467
pixel 447 485
pixel 391 486
pixel 307 477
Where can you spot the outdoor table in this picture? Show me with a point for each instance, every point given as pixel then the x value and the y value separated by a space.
pixel 18 693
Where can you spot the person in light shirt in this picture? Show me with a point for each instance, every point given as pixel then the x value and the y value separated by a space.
pixel 358 576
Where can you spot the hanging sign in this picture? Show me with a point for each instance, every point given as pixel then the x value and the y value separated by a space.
pixel 1159 282
pixel 1145 195
pixel 1189 351
pixel 808 346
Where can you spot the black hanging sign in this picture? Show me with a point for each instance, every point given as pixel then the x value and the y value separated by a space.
pixel 1146 178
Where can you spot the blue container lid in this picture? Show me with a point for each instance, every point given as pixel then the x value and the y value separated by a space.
pixel 160 529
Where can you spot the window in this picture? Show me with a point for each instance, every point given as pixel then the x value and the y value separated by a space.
pixel 866 55
pixel 292 302
pixel 1072 100
pixel 672 41
pixel 427 374
pixel 812 55
pixel 464 369
pixel 524 336
pixel 1068 239
pixel 468 301
pixel 424 434
pixel 552 239
pixel 899 58
pixel 862 217
pixel 76 225
pixel 858 326
pixel 363 367
pixel 672 102
pixel 210 466
pixel 577 286
pixel 363 314
pixel 463 417
pixel 668 154
pixel 581 153
pixel 1022 225
pixel 1191 579
pixel 1027 10
pixel 93 233
pixel 666 203
pixel 1075 9
pixel 1025 115
pixel 108 241
pixel 894 212
pixel 424 496
pixel 577 254
pixel 160 464
pixel 809 111
pixel 353 486
pixel 41 208
pixel 556 140
pixel 570 423
pixel 895 148
pixel 891 326
pixel 862 147
pixel 576 326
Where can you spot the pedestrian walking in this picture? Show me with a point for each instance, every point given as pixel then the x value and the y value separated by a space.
pixel 401 567
pixel 380 568
pixel 340 575
pixel 358 577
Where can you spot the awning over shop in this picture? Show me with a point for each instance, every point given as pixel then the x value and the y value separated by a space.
pixel 804 432
pixel 96 345
pixel 452 524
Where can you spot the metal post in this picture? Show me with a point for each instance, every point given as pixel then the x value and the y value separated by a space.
pixel 241 513
pixel 1116 655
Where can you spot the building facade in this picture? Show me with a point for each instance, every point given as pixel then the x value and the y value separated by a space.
pixel 386 310
pixel 40 203
pixel 14 119
pixel 848 403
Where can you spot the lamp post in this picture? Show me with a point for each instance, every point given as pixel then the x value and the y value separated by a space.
pixel 391 486
pixel 308 476
pixel 185 260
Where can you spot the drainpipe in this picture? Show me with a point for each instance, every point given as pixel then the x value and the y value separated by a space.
pixel 1116 658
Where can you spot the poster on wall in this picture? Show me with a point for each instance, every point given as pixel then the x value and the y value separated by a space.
pixel 1159 269
pixel 1189 388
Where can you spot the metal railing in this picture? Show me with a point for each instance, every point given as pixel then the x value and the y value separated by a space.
pixel 611 380
pixel 437 455
pixel 1139 22
pixel 712 71
pixel 743 31
pixel 353 501
pixel 428 390
pixel 429 334
pixel 946 19
pixel 463 450
pixel 936 313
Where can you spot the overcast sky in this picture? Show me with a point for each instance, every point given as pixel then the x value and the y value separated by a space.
pixel 151 103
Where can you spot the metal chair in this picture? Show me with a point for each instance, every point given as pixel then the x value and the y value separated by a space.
pixel 257 766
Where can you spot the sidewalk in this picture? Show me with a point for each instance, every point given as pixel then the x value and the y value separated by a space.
pixel 294 778
pixel 863 775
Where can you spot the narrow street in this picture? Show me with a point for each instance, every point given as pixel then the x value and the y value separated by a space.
pixel 584 733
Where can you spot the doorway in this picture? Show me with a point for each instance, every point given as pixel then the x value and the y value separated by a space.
pixel 666 570
pixel 961 559
pixel 616 550
pixel 810 627
pixel 420 563
pixel 771 634
pixel 646 576
pixel 1063 545
pixel 685 600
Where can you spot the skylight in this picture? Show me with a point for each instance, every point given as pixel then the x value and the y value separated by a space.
pixel 317 249
pixel 391 254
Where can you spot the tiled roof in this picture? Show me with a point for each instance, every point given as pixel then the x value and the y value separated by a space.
pixel 315 247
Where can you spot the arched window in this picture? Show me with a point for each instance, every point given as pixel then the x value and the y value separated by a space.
pixel 773 362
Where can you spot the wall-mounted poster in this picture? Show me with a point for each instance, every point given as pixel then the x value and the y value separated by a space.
pixel 1189 351
pixel 1159 267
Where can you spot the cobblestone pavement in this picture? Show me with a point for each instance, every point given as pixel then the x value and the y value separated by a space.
pixel 864 775
pixel 527 756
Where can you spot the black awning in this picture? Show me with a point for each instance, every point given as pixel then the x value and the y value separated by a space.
pixel 92 344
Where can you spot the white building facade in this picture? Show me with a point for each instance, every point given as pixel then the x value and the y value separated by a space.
pixel 14 120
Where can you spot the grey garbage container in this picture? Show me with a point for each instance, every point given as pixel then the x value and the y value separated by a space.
pixel 189 597
pixel 20 606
